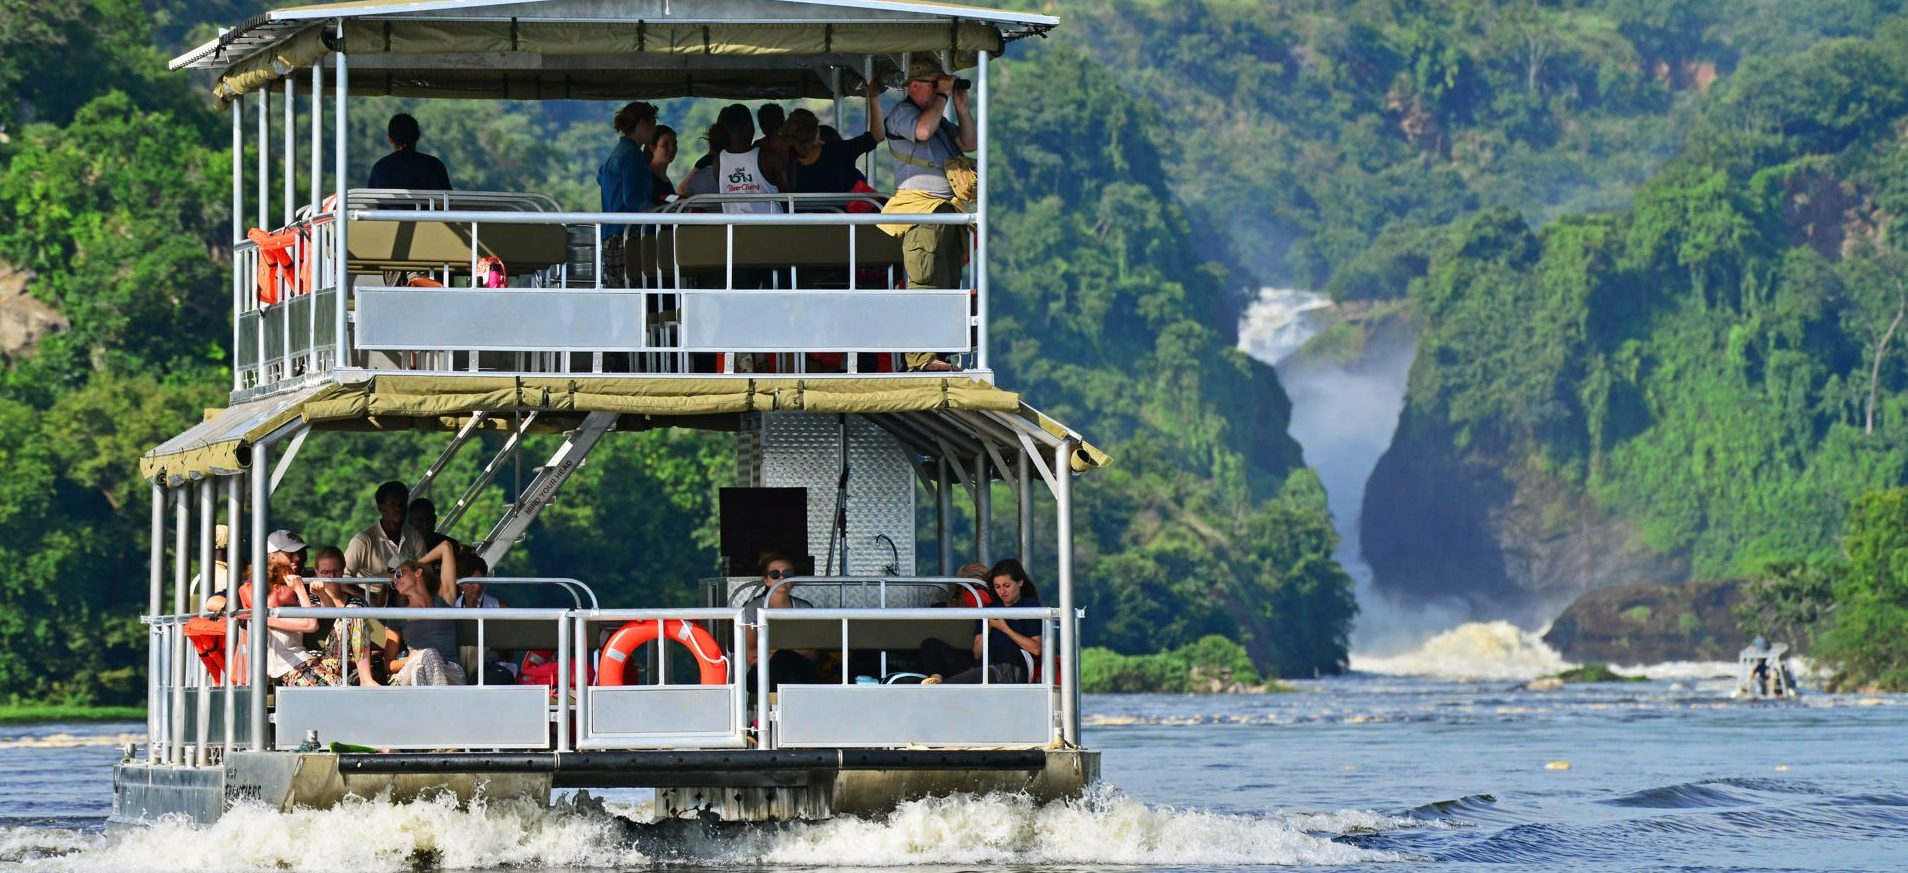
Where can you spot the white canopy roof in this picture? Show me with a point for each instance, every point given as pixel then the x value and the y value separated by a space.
pixel 605 49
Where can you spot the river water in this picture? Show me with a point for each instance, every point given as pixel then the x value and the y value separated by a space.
pixel 1364 772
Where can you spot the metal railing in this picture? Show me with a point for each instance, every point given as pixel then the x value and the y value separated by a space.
pixel 197 717
pixel 705 291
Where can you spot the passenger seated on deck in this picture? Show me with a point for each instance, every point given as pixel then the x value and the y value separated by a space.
pixel 287 661
pixel 937 656
pixel 702 179
pixel 457 569
pixel 1005 639
pixel 744 168
pixel 430 656
pixel 421 515
pixel 824 167
pixel 786 666
pixel 377 550
pixel 660 154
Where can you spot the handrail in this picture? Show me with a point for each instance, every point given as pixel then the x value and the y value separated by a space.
pixel 427 613
pixel 805 613
pixel 567 584
pixel 825 219
pixel 863 582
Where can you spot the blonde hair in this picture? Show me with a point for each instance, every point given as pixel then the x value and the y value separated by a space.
pixel 801 128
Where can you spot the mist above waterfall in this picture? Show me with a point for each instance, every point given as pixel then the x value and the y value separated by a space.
pixel 1344 413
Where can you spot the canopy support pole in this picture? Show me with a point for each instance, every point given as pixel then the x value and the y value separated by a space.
pixel 264 158
pixel 234 541
pixel 181 576
pixel 983 507
pixel 980 220
pixel 1023 490
pixel 340 256
pixel 202 723
pixel 943 509
pixel 291 149
pixel 1069 626
pixel 155 559
pixel 317 145
pixel 238 233
pixel 257 640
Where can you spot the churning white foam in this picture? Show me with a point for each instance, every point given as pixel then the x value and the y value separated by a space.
pixel 28 845
pixel 363 837
pixel 367 837
pixel 1107 828
pixel 1473 650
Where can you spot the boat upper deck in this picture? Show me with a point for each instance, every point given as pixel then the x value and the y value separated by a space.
pixel 339 283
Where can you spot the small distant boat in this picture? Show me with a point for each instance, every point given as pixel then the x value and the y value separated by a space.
pixel 1762 672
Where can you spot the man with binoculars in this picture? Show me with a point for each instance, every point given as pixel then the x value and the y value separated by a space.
pixel 927 148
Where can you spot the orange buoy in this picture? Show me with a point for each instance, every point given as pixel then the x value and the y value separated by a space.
pixel 713 664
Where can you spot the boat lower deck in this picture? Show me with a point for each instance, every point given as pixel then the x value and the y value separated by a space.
pixel 737 785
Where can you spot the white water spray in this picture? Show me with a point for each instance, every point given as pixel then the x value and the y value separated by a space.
pixel 1344 414
pixel 1106 828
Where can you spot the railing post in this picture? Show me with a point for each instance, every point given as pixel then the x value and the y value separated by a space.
pixel 763 736
pixel 156 557
pixel 566 684
pixel 256 641
pixel 234 542
pixel 208 517
pixel 181 575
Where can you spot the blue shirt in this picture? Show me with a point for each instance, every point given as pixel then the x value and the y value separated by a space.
pixel 1001 648
pixel 626 182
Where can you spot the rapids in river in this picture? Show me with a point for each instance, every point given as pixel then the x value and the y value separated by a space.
pixel 1442 763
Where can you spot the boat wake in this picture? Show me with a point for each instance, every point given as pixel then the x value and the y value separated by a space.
pixel 71 741
pixel 374 836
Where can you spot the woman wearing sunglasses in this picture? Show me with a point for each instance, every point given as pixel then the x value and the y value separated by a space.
pixel 791 666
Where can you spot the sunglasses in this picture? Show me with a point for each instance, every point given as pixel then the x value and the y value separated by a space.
pixel 780 574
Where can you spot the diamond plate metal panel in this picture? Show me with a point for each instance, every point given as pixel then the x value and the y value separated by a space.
pixel 797 449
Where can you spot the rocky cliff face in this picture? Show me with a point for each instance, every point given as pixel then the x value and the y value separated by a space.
pixel 1491 537
pixel 1651 624
pixel 23 320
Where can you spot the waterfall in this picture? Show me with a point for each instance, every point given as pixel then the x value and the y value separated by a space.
pixel 1344 414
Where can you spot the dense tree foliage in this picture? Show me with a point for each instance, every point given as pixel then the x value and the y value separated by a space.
pixel 114 209
pixel 1848 612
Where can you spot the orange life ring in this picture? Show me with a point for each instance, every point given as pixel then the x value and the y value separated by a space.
pixel 714 665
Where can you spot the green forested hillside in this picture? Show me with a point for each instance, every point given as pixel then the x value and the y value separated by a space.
pixel 113 218
pixel 1718 367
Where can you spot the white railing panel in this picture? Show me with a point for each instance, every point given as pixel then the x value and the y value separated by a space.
pixel 883 716
pixel 793 321
pixel 525 319
pixel 453 717
pixel 631 714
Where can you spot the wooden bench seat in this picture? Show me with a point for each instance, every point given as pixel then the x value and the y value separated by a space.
pixel 704 249
pixel 426 245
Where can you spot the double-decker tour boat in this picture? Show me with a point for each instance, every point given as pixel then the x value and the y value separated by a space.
pixel 781 326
